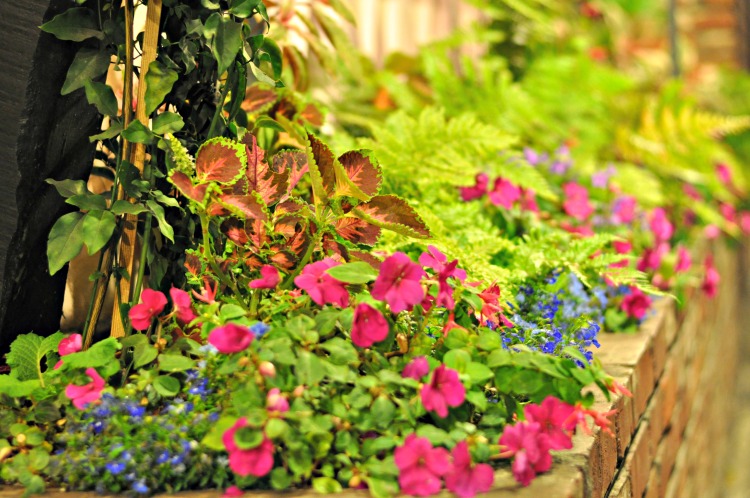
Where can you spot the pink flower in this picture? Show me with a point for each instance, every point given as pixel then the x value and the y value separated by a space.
pixel 651 259
pixel 660 225
pixel 436 260
pixel 623 210
pixel 601 419
pixel 269 278
pixel 477 191
pixel 183 305
pixel 711 279
pixel 728 212
pixel 275 402
pixel 504 193
pixel 576 202
pixel 745 222
pixel 88 393
pixel 398 283
pixel 322 287
pixel 257 461
pixel 553 416
pixel 420 466
pixel 444 389
pixel 491 310
pixel 71 344
pixel 636 304
pixel 622 247
pixel 711 231
pixel 368 326
pixel 691 192
pixel 683 260
pixel 152 303
pixel 528 200
pixel 464 480
pixel 530 447
pixel 416 368
pixel 208 292
pixel 724 174
pixel 232 492
pixel 230 338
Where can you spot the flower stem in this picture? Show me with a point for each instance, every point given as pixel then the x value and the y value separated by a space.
pixel 303 262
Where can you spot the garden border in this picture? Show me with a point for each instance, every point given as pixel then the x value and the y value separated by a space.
pixel 669 438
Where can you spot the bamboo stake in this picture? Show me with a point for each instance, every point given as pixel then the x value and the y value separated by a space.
pixel 129 236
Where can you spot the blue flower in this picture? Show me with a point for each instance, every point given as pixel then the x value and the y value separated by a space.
pixel 115 468
pixel 140 487
pixel 259 329
pixel 163 457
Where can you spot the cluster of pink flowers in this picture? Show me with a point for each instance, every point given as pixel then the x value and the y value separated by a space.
pixel 547 426
pixel 256 461
pixel 153 303
pixel 503 194
pixel 422 469
pixel 87 393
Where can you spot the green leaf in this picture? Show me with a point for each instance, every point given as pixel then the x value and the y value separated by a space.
pixel 243 8
pixel 212 440
pixel 15 388
pixel 280 479
pixel 248 438
pixel 111 132
pixel 457 359
pixel 98 227
pixel 164 227
pixel 69 188
pixel 358 272
pixel 479 373
pixel 38 459
pixel 74 25
pixel 27 352
pixel 88 201
pixel 159 82
pixel 102 97
pixel 167 122
pixel 342 351
pixel 393 213
pixel 65 241
pixel 326 485
pixel 272 54
pixel 139 133
pixel 88 64
pixel 100 354
pixel 489 340
pixel 276 428
pixel 437 437
pixel 268 122
pixel 166 385
pixel 227 43
pixel 383 411
pixel 124 207
pixel 175 363
pixel 309 369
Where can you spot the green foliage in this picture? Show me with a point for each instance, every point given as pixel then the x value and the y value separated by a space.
pixel 28 351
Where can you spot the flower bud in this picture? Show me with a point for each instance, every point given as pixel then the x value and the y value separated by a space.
pixel 355 482
pixel 244 361
pixel 267 369
pixel 298 391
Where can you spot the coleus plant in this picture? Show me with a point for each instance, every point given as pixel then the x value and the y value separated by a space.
pixel 285 210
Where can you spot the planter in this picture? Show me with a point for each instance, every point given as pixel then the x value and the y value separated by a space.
pixel 668 438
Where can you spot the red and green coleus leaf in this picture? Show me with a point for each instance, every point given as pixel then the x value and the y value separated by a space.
pixel 249 206
pixel 333 247
pixel 220 160
pixel 259 98
pixel 357 231
pixel 359 175
pixel 196 193
pixel 295 162
pixel 244 232
pixel 271 183
pixel 322 171
pixel 392 213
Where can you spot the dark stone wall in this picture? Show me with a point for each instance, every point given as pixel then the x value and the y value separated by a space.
pixel 42 135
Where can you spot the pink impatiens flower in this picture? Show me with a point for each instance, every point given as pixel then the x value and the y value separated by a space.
pixel 438 262
pixel 576 202
pixel 530 446
pixel 368 326
pixel 660 225
pixel 728 212
pixel 683 260
pixel 478 190
pixel 276 402
pixel 257 461
pixel 711 279
pixel 420 466
pixel 399 283
pixel 466 480
pixel 416 368
pixel 183 305
pixel 745 222
pixel 232 492
pixel 553 417
pixel 88 393
pixel 270 278
pixel 444 389
pixel 152 303
pixel 322 287
pixel 651 258
pixel 231 338
pixel 528 200
pixel 623 210
pixel 724 174
pixel 636 304
pixel 504 193
pixel 71 344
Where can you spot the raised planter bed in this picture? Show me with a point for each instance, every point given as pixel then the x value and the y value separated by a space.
pixel 669 438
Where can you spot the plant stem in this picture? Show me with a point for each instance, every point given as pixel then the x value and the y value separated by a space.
pixel 303 262
pixel 217 113
pixel 254 301
pixel 144 254
pixel 209 255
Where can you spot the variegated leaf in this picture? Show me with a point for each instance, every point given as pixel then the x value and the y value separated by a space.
pixel 261 178
pixel 392 213
pixel 357 231
pixel 220 160
pixel 185 185
pixel 358 175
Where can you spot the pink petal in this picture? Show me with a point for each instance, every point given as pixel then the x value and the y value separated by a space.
pixel 230 338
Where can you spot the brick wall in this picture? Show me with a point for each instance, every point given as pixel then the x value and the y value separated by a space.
pixel 711 33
